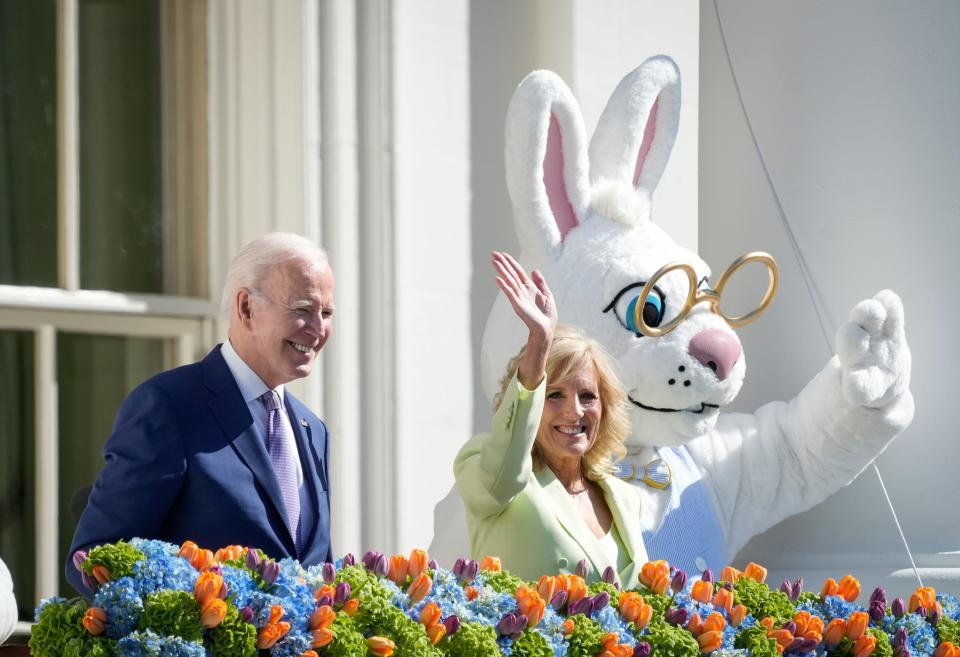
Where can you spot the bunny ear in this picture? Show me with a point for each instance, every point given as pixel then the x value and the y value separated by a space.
pixel 546 163
pixel 637 129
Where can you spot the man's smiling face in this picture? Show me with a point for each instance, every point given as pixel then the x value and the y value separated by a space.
pixel 288 324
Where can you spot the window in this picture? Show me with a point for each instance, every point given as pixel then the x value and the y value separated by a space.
pixel 103 244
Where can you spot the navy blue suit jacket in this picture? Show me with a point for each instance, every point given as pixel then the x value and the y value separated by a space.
pixel 184 462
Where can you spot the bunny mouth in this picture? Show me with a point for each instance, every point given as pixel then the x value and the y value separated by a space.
pixel 703 407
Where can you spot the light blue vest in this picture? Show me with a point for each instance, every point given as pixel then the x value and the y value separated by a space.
pixel 690 537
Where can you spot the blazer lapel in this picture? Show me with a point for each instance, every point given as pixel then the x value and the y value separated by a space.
pixel 624 504
pixel 302 433
pixel 229 408
pixel 566 514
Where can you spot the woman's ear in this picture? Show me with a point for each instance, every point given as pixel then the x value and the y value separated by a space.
pixel 546 163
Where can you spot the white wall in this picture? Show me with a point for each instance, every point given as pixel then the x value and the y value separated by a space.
pixel 855 108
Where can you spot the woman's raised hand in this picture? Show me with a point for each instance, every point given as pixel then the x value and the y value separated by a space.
pixel 533 303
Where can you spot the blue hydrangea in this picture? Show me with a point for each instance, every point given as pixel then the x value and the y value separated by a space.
pixel 551 627
pixel 54 600
pixel 951 605
pixel 291 645
pixel 240 585
pixel 154 549
pixel 164 571
pixel 921 636
pixel 123 605
pixel 150 644
pixel 611 621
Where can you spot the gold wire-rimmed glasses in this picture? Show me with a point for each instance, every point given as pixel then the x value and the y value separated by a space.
pixel 709 296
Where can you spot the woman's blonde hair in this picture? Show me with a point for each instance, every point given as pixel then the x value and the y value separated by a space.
pixel 571 349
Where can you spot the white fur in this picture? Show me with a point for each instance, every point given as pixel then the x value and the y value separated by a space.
pixel 760 467
pixel 8 604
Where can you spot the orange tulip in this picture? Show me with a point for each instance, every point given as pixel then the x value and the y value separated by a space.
pixel 723 599
pixel 380 646
pixel 321 637
pixel 213 612
pixel 737 614
pixel 276 613
pixel 631 604
pixel 655 575
pixel 325 590
pixel 417 563
pixel 609 640
pixel 491 563
pixel 430 615
pixel 783 637
pixel 187 549
pixel 646 615
pixel 730 574
pixel 848 588
pixel 94 620
pixel 202 559
pixel 531 605
pixel 568 626
pixel 945 649
pixel 857 624
pixel 622 650
pixel 710 641
pixel 829 587
pixel 102 574
pixel 420 587
pixel 208 587
pixel 471 593
pixel 755 572
pixel 864 646
pixel 270 634
pixel 835 632
pixel 702 591
pixel 322 617
pixel 350 606
pixel 397 570
pixel 924 596
pixel 801 619
pixel 308 653
pixel 436 632
pixel 577 588
pixel 767 622
pixel 546 587
pixel 229 553
pixel 694 624
pixel 714 623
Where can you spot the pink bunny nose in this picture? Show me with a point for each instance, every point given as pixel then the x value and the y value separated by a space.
pixel 716 349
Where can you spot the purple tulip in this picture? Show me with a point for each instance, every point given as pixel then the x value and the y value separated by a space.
pixel 270 571
pixel 795 645
pixel 349 560
pixel 511 624
pixel 877 610
pixel 934 616
pixel 89 581
pixel 609 575
pixel 582 606
pixel 470 570
pixel 707 576
pixel 247 615
pixel 879 595
pixel 223 591
pixel 790 627
pixel 583 568
pixel 728 586
pixel 253 560
pixel 676 616
pixel 324 600
pixel 642 649
pixel 679 581
pixel 217 569
pixel 452 623
pixel 559 600
pixel 381 566
pixel 329 572
pixel 370 558
pixel 898 607
pixel 458 565
pixel 786 587
pixel 797 589
pixel 342 593
pixel 900 637
pixel 600 600
pixel 78 558
pixel 807 645
pixel 921 612
pixel 433 565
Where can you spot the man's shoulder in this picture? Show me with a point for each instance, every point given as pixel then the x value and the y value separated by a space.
pixel 187 378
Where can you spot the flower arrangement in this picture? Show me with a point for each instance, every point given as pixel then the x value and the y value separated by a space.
pixel 153 599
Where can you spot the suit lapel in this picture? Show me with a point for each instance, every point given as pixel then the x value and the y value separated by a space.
pixel 308 461
pixel 229 408
pixel 624 504
pixel 566 514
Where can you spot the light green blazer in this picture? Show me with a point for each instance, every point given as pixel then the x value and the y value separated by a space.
pixel 526 517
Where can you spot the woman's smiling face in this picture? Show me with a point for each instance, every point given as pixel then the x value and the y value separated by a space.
pixel 571 416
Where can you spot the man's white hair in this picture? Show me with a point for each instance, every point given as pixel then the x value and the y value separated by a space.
pixel 251 266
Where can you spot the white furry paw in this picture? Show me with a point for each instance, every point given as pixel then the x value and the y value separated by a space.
pixel 873 351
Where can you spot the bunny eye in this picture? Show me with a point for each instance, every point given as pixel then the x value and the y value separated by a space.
pixel 624 306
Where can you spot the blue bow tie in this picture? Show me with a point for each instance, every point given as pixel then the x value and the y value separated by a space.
pixel 655 474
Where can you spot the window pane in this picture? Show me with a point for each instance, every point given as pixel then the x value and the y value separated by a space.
pixel 121 211
pixel 28 142
pixel 94 373
pixel 17 465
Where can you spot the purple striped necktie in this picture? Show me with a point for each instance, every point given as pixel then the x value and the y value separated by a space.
pixel 279 445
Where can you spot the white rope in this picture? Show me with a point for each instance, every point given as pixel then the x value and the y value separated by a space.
pixel 827 325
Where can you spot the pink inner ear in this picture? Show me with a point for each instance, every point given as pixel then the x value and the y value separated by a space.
pixel 553 181
pixel 648 133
